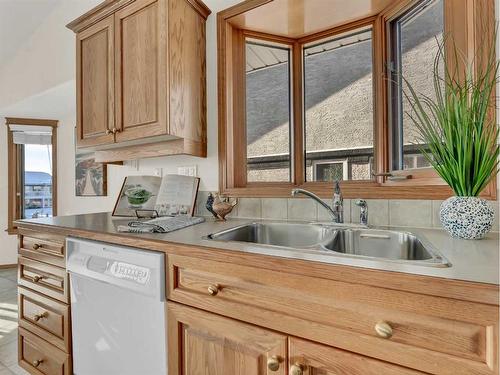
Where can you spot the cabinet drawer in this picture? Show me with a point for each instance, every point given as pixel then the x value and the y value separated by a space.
pixel 45 317
pixel 44 278
pixel 428 333
pixel 44 247
pixel 39 357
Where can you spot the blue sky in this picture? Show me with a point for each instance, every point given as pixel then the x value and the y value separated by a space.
pixel 38 158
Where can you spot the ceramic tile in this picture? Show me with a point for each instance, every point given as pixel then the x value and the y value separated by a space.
pixel 274 208
pixel 7 285
pixel 6 371
pixel 8 354
pixel 249 208
pixel 9 273
pixel 436 206
pixel 410 213
pixel 302 209
pixel 17 370
pixel 323 214
pixel 378 212
pixel 496 209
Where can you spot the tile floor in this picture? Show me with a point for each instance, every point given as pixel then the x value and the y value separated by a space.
pixel 8 323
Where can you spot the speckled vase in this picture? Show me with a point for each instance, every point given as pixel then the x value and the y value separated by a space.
pixel 468 218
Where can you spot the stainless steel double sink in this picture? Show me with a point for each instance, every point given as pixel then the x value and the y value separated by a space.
pixel 341 240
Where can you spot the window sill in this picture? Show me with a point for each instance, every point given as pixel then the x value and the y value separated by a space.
pixel 353 190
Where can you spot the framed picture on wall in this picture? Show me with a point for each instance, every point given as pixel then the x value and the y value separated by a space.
pixel 90 177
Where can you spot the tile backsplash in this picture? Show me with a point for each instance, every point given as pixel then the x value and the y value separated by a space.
pixel 405 213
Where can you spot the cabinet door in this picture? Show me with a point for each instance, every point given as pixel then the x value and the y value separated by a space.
pixel 141 81
pixel 307 358
pixel 201 343
pixel 95 84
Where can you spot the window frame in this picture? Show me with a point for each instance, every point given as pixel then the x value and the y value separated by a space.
pixel 15 159
pixel 421 183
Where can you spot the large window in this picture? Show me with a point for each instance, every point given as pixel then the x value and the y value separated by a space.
pixel 303 103
pixel 32 168
pixel 414 39
pixel 267 111
pixel 338 100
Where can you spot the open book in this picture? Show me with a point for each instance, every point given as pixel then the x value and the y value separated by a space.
pixel 169 196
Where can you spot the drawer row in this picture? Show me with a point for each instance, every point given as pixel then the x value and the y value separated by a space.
pixel 44 342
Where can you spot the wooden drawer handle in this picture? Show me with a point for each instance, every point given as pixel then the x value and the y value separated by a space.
pixel 296 369
pixel 383 329
pixel 37 362
pixel 37 278
pixel 273 363
pixel 37 317
pixel 36 246
pixel 213 289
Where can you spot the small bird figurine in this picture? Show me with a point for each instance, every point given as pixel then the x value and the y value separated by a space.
pixel 209 205
pixel 223 206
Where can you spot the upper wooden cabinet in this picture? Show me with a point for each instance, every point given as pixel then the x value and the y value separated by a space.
pixel 141 78
pixel 95 84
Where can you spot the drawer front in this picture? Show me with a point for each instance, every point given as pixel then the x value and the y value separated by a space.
pixel 44 278
pixel 432 334
pixel 44 247
pixel 39 357
pixel 45 317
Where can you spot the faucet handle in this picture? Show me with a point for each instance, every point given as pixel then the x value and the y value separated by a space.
pixel 361 203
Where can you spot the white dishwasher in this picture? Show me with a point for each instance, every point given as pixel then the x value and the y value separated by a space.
pixel 118 309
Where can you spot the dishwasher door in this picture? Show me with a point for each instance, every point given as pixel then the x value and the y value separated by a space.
pixel 118 309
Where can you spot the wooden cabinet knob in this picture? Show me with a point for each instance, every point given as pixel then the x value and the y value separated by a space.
pixel 37 278
pixel 383 329
pixel 36 246
pixel 37 362
pixel 108 132
pixel 213 289
pixel 37 317
pixel 296 369
pixel 273 363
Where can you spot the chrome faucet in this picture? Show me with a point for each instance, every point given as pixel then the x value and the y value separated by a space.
pixel 337 212
pixel 363 213
pixel 338 203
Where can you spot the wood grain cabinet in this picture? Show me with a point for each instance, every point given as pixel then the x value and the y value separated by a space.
pixel 208 344
pixel 44 340
pixel 141 79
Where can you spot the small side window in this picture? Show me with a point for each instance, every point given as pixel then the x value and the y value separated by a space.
pixel 414 38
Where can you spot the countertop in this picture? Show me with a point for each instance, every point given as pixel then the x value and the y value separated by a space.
pixel 476 261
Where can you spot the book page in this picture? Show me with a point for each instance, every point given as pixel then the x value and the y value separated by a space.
pixel 177 195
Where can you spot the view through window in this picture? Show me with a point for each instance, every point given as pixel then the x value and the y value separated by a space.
pixel 267 112
pixel 338 99
pixel 36 180
pixel 415 37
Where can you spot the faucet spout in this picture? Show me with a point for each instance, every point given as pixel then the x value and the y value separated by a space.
pixel 313 196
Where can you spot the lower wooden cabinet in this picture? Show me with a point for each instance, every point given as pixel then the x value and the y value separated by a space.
pixel 207 344
pixel 307 358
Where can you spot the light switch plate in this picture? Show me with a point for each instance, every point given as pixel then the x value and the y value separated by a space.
pixel 191 170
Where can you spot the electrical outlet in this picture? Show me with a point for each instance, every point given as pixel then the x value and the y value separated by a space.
pixel 158 172
pixel 191 170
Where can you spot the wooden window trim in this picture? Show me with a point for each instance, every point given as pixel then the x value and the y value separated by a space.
pixel 423 184
pixel 13 167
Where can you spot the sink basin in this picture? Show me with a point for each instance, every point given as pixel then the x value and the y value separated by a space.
pixel 355 242
pixel 277 234
pixel 386 244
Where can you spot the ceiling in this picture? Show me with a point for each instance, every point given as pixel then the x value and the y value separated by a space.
pixel 18 20
pixel 298 18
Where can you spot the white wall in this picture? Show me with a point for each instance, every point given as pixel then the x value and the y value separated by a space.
pixel 38 81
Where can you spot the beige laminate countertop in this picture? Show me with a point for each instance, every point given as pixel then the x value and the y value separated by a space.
pixel 476 261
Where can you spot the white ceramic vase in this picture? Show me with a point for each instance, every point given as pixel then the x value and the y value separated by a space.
pixel 468 218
